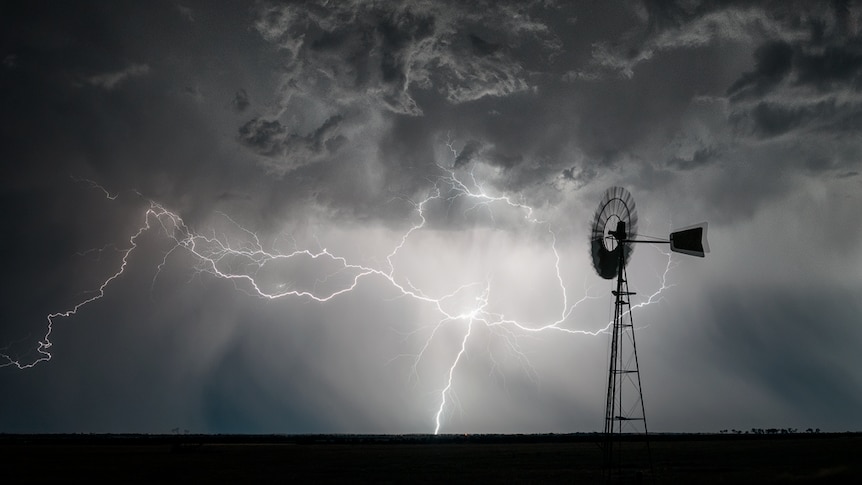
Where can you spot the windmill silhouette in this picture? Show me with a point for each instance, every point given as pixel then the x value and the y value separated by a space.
pixel 612 240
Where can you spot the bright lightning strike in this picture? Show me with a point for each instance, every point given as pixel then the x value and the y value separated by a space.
pixel 242 263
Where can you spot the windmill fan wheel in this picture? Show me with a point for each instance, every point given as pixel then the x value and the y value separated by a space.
pixel 617 205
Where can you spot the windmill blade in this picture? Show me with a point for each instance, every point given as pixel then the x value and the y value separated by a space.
pixel 690 240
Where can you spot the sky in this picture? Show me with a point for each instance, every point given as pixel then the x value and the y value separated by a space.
pixel 373 217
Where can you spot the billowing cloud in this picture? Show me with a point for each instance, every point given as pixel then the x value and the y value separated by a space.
pixel 271 139
pixel 671 26
pixel 476 140
pixel 386 52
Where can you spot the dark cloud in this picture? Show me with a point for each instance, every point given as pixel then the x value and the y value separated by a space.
pixel 384 53
pixel 240 101
pixel 262 136
pixel 804 83
pixel 767 120
pixel 742 114
pixel 470 150
pixel 774 119
pixel 290 150
pixel 481 46
pixel 699 158
pixel 503 159
pixel 835 66
pixel 773 63
pixel 769 338
pixel 580 176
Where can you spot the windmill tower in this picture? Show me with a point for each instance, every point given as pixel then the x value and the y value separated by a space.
pixel 612 240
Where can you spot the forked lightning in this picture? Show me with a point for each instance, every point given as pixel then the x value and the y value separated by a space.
pixel 240 263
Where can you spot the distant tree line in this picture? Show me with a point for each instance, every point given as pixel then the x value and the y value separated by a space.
pixel 769 431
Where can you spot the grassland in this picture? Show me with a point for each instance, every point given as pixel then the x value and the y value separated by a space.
pixel 570 458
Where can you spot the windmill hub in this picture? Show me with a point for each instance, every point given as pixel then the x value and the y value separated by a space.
pixel 610 240
pixel 620 233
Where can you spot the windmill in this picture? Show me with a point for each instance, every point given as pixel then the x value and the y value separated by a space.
pixel 612 240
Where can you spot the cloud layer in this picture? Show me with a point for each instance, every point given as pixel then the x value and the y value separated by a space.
pixel 324 124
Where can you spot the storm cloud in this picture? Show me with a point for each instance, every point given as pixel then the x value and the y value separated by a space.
pixel 339 128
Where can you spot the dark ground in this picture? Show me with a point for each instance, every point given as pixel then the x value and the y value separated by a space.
pixel 577 458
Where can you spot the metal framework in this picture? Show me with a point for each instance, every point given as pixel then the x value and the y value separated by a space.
pixel 627 455
pixel 624 409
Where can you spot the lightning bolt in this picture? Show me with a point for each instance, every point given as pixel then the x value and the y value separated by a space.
pixel 242 261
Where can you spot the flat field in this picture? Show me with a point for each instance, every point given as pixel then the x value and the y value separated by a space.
pixel 575 458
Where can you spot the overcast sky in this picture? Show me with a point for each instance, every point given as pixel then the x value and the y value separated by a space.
pixel 436 165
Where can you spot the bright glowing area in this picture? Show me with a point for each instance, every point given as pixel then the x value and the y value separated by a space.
pixel 488 277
